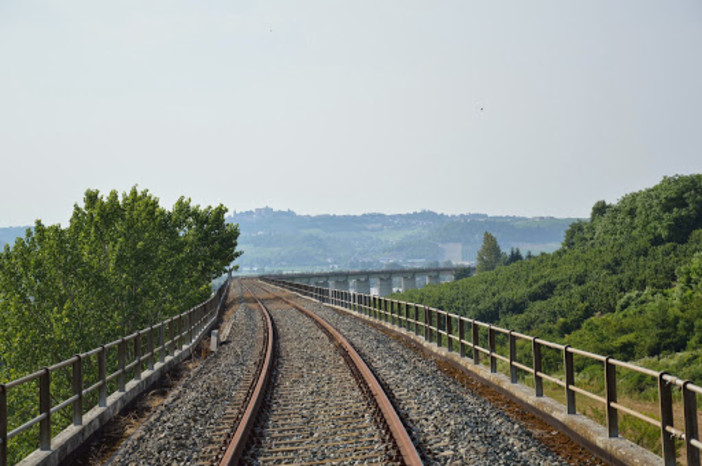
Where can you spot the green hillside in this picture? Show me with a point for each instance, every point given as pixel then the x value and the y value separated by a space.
pixel 627 282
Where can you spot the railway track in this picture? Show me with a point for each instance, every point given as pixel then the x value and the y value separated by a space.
pixel 322 405
pixel 315 407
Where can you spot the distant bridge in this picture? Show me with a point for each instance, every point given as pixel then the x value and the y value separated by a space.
pixel 360 280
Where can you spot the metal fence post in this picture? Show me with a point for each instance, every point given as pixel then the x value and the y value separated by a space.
pixel 121 355
pixel 416 319
pixel 102 375
pixel 512 357
pixel 191 326
pixel 425 318
pixel 150 343
pixel 78 391
pixel 476 341
pixel 137 356
pixel 665 398
pixel 3 425
pixel 569 379
pixel 536 363
pixel 461 337
pixel 181 332
pixel 611 397
pixel 430 323
pixel 171 331
pixel 45 409
pixel 491 347
pixel 691 427
pixel 449 332
pixel 162 342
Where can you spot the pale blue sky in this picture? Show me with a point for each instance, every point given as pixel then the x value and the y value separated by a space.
pixel 347 107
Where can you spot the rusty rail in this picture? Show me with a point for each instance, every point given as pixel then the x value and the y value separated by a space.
pixel 236 446
pixel 409 453
pixel 457 332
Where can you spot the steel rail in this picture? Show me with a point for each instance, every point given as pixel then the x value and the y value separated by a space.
pixel 409 453
pixel 241 436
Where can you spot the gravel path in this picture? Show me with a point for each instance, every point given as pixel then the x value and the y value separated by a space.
pixel 451 424
pixel 189 420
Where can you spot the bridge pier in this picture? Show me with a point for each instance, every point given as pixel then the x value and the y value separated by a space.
pixel 409 282
pixel 384 285
pixel 321 282
pixel 339 283
pixel 433 279
pixel 362 285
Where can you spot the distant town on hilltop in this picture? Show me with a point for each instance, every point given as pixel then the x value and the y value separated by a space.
pixel 283 241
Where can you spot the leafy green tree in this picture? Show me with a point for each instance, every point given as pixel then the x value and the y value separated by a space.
pixel 490 255
pixel 120 265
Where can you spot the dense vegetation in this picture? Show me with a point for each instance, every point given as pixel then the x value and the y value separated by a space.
pixel 627 283
pixel 283 240
pixel 119 266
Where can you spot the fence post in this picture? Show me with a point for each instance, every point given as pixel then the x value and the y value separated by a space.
pixel 425 318
pixel 691 427
pixel 137 356
pixel 181 331
pixel 78 390
pixel 665 398
pixel 461 337
pixel 150 343
pixel 449 332
pixel 512 357
pixel 121 354
pixel 536 364
pixel 102 375
pixel 191 326
pixel 476 342
pixel 611 397
pixel 162 341
pixel 430 323
pixel 569 379
pixel 45 409
pixel 491 347
pixel 3 425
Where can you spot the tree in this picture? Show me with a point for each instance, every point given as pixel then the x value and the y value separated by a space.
pixel 121 264
pixel 490 255
pixel 514 255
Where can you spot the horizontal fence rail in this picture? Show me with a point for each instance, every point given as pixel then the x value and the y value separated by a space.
pixel 476 340
pixel 132 357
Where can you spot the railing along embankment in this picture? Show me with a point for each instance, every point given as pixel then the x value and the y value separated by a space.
pixel 528 361
pixel 101 382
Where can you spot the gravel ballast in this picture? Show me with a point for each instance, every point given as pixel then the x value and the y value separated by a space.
pixel 187 422
pixel 450 424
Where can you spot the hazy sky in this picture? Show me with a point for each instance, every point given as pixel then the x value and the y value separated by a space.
pixel 502 107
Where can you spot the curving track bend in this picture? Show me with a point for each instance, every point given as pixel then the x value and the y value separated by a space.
pixel 324 404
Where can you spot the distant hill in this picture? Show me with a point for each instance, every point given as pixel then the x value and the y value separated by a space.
pixel 281 240
pixel 275 240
